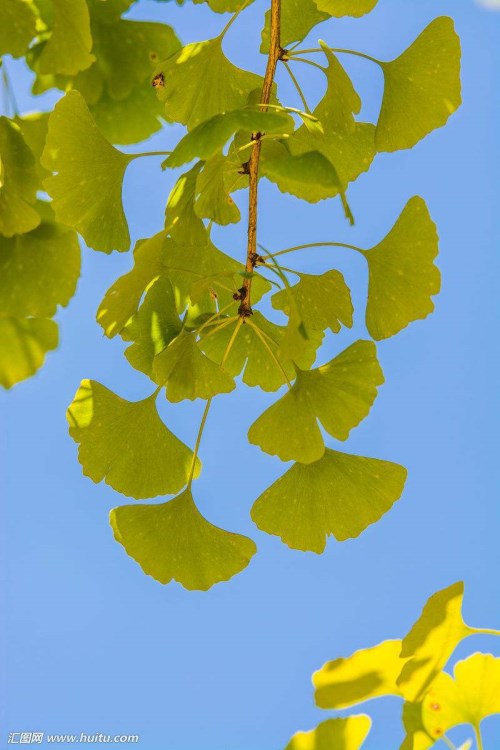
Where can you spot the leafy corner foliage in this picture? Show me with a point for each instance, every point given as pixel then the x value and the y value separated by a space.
pixel 188 312
pixel 411 669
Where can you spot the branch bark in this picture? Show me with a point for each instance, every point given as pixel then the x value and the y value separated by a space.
pixel 245 308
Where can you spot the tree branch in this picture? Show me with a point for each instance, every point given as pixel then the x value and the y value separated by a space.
pixel 245 308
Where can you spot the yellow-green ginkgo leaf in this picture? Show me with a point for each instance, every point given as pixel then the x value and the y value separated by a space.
pixel 222 6
pixel 366 674
pixel 173 541
pixel 18 182
pixel 34 131
pixel 126 443
pixel 339 394
pixel 340 494
pixel 68 48
pixel 87 189
pixel 422 87
pixel 214 200
pixel 129 120
pixel 309 176
pixel 39 270
pixel 402 274
pixel 187 373
pixel 432 640
pixel 24 343
pixel 298 17
pixel 153 327
pixel 339 8
pixel 181 222
pixel 122 299
pixel 199 82
pixel 334 734
pixel 17 26
pixel 321 301
pixel 210 136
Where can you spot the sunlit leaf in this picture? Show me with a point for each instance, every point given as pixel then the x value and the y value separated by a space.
pixel 339 8
pixel 422 87
pixel 187 373
pixel 18 182
pixel 310 175
pixel 23 346
pixel 402 275
pixel 68 48
pixel 340 494
pixel 222 6
pixel 17 26
pixel 128 120
pixel 298 17
pixel 181 221
pixel 190 77
pixel 334 734
pixel 87 189
pixel 173 541
pixel 214 200
pixel 126 443
pixel 338 394
pixel 366 674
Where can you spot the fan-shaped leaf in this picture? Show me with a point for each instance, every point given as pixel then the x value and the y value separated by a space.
pixel 87 189
pixel 402 275
pixel 338 394
pixel 334 734
pixel 422 87
pixel 126 443
pixel 17 27
pixel 23 346
pixel 339 8
pixel 68 48
pixel 298 17
pixel 173 541
pixel 309 176
pixel 18 182
pixel 181 221
pixel 340 494
pixel 33 128
pixel 214 187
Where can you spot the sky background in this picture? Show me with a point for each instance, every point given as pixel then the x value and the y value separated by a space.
pixel 94 645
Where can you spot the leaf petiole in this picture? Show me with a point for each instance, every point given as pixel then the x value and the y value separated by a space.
pixel 297 86
pixel 262 336
pixel 316 244
pixel 314 50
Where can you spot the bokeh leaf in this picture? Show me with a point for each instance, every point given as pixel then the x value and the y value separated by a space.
pixel 334 734
pixel 173 541
pixel 68 48
pixel 24 343
pixel 18 182
pixel 17 26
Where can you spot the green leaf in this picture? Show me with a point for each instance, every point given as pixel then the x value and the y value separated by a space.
pixel 214 200
pixel 23 346
pixel 153 327
pixel 422 87
pixel 340 8
pixel 309 176
pixel 366 674
pixel 122 299
pixel 33 128
pixel 129 120
pixel 190 77
pixel 87 189
pixel 68 48
pixel 181 221
pixel 18 182
pixel 187 373
pixel 339 394
pixel 126 443
pixel 321 301
pixel 432 640
pixel 402 275
pixel 17 26
pixel 39 270
pixel 222 6
pixel 298 17
pixel 340 494
pixel 334 734
pixel 173 541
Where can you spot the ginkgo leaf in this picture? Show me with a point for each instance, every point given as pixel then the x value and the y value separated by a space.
pixel 126 443
pixel 33 128
pixel 402 275
pixel 153 327
pixel 222 6
pixel 39 270
pixel 339 8
pixel 18 182
pixel 87 189
pixel 122 299
pixel 422 87
pixel 23 346
pixel 129 120
pixel 251 355
pixel 181 222
pixel 187 373
pixel 338 394
pixel 321 301
pixel 298 17
pixel 68 49
pixel 17 26
pixel 173 541
pixel 199 81
pixel 214 200
pixel 309 176
pixel 432 640
pixel 334 734
pixel 366 674
pixel 210 136
pixel 340 494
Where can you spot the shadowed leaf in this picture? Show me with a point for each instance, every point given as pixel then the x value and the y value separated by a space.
pixel 334 734
pixel 23 346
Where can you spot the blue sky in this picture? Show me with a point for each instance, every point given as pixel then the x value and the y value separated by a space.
pixel 96 646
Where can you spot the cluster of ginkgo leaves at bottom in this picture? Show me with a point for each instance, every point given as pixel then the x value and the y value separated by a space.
pixel 411 669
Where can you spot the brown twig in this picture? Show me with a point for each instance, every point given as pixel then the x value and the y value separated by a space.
pixel 275 51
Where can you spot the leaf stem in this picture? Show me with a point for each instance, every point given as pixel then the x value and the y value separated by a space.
pixel 308 62
pixel 316 244
pixel 214 316
pixel 149 153
pixel 448 742
pixel 297 86
pixel 245 308
pixel 293 53
pixel 276 361
pixel 479 739
pixel 220 326
pixel 486 631
pixel 233 19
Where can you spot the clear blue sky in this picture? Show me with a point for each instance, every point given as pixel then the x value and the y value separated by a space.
pixel 93 645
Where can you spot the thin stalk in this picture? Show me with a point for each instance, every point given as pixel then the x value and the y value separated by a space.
pixel 214 316
pixel 149 153
pixel 308 62
pixel 293 53
pixel 479 739
pixel 448 742
pixel 276 361
pixel 295 110
pixel 486 631
pixel 233 19
pixel 220 326
pixel 245 308
pixel 316 244
pixel 297 86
